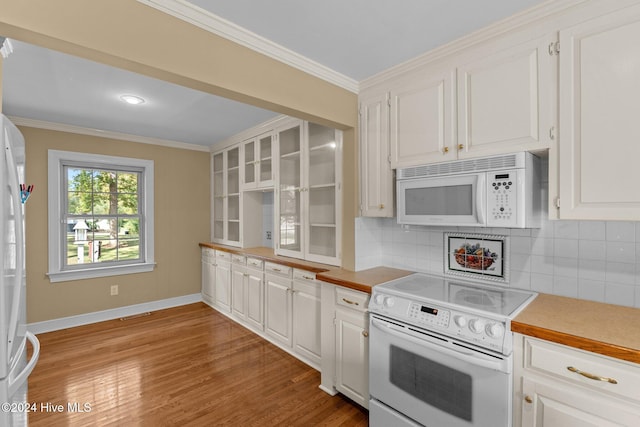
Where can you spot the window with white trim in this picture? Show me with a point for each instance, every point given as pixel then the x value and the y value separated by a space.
pixel 100 215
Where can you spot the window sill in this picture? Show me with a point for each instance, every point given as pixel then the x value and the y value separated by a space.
pixel 90 273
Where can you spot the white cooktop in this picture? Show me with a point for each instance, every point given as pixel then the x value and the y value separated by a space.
pixel 423 288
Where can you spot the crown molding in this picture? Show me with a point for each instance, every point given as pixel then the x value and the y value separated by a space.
pixel 518 21
pixel 61 127
pixel 208 21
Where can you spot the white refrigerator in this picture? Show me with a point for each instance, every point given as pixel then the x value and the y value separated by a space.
pixel 14 366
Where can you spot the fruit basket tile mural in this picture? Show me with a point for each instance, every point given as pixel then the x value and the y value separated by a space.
pixel 476 256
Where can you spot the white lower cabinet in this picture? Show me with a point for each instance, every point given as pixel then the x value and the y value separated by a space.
pixel 222 298
pixel 208 274
pixel 255 293
pixel 239 292
pixel 324 325
pixel 247 291
pixel 559 386
pixel 278 309
pixel 306 316
pixel 352 345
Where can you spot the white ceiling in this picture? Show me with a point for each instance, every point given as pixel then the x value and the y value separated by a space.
pixel 356 38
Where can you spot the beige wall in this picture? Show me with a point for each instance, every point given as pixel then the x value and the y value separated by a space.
pixel 182 213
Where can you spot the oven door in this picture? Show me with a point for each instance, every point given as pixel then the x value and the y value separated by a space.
pixel 437 381
pixel 451 200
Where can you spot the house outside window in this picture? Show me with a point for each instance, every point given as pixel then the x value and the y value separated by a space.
pixel 100 215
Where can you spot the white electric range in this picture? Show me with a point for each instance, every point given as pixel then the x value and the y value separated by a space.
pixel 441 352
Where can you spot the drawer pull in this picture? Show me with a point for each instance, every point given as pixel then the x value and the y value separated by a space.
pixel 276 269
pixel 528 399
pixel 349 301
pixel 591 376
pixel 308 277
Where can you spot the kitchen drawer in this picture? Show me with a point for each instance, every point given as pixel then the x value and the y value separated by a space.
pixel 223 255
pixel 238 259
pixel 277 269
pixel 208 254
pixel 351 299
pixel 555 360
pixel 255 263
pixel 303 275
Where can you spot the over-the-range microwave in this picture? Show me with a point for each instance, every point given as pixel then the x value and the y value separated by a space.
pixel 497 191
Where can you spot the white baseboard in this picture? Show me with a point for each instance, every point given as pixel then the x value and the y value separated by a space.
pixel 114 313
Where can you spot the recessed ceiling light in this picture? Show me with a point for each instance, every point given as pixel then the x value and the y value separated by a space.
pixel 132 99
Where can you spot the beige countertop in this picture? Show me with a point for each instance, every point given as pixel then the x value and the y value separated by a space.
pixel 611 330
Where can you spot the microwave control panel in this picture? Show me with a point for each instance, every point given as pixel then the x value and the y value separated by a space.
pixel 502 198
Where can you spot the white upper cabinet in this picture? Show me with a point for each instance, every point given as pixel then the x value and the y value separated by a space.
pixel 257 154
pixel 496 97
pixel 376 176
pixel 506 99
pixel 422 112
pixel 599 131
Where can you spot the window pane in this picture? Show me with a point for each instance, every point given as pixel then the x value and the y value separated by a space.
pixel 104 203
pixel 128 204
pixel 79 179
pixel 79 203
pixel 127 182
pixel 104 181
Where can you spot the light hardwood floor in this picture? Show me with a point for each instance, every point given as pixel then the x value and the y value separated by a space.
pixel 184 366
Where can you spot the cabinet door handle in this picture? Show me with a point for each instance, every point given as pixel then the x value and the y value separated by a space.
pixel 349 301
pixel 528 399
pixel 592 376
pixel 365 334
pixel 445 150
pixel 460 146
pixel 381 205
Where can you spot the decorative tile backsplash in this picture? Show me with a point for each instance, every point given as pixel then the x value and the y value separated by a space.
pixel 593 260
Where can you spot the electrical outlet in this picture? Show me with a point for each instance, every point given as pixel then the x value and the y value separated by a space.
pixel 268 235
pixel 114 290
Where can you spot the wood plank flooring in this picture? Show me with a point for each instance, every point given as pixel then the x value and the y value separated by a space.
pixel 184 366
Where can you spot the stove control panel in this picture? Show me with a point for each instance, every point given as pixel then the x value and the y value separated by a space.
pixel 429 315
pixel 470 327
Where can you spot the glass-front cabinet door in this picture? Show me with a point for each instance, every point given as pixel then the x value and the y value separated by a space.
pixel 258 162
pixel 226 196
pixel 309 192
pixel 218 196
pixel 323 229
pixel 233 195
pixel 289 191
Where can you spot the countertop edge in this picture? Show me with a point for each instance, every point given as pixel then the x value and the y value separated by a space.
pixel 347 284
pixel 582 343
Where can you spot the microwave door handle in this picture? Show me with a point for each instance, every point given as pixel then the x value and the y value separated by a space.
pixel 481 199
pixel 470 356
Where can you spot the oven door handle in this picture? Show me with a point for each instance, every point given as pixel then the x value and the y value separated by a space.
pixel 470 356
